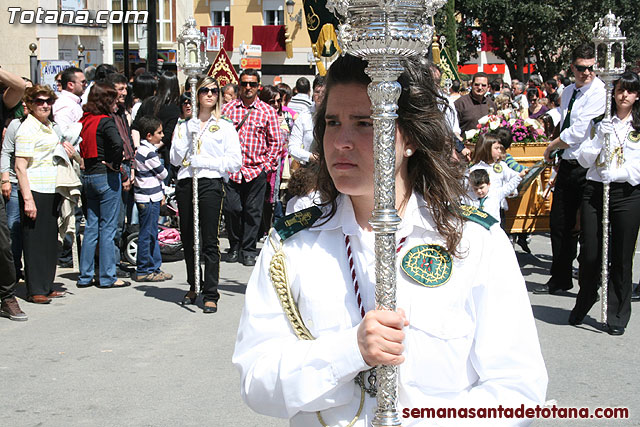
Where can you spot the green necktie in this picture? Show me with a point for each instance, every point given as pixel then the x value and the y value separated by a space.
pixel 567 120
pixel 482 203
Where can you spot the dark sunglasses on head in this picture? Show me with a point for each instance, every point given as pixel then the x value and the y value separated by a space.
pixel 252 84
pixel 583 68
pixel 41 102
pixel 205 90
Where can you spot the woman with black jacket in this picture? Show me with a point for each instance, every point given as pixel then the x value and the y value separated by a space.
pixel 101 149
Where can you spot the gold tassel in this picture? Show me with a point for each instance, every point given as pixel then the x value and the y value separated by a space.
pixel 288 43
pixel 435 49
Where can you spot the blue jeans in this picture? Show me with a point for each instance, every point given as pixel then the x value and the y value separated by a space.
pixel 149 257
pixel 103 206
pixel 13 221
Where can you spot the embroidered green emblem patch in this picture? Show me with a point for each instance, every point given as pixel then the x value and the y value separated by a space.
pixel 480 217
pixel 289 225
pixel 634 136
pixel 429 265
pixel 497 167
pixel 214 128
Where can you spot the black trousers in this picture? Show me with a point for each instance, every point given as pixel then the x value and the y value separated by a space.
pixel 7 267
pixel 40 240
pixel 243 213
pixel 624 221
pixel 210 196
pixel 567 199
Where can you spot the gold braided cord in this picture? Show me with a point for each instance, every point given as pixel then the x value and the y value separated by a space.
pixel 280 281
pixel 353 421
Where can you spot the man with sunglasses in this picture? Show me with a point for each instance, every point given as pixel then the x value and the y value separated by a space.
pixel 581 103
pixel 68 106
pixel 262 143
pixel 476 104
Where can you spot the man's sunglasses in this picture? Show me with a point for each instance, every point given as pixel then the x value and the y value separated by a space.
pixel 583 68
pixel 252 84
pixel 480 85
pixel 206 90
pixel 40 102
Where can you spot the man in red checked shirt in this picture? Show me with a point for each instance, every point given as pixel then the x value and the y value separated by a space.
pixel 261 141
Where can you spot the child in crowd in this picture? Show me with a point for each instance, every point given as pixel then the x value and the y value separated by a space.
pixel 485 199
pixel 148 194
pixel 488 156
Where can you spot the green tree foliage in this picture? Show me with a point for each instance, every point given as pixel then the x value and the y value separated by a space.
pixel 545 30
pixel 445 21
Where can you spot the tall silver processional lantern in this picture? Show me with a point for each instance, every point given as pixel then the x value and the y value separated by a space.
pixel 383 32
pixel 610 64
pixel 193 61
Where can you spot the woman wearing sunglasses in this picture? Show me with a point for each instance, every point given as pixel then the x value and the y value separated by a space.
pixel 217 155
pixel 36 141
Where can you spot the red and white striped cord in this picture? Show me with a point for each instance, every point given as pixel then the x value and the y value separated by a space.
pixel 352 269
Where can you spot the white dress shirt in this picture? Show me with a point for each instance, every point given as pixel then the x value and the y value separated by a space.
pixel 591 156
pixel 471 342
pixel 219 144
pixel 589 104
pixel 301 138
pixel 67 109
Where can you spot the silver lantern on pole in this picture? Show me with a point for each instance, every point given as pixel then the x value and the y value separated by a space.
pixel 383 32
pixel 610 64
pixel 193 61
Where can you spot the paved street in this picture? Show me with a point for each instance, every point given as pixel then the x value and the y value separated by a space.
pixel 134 357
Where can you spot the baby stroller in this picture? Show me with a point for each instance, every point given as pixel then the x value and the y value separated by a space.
pixel 168 233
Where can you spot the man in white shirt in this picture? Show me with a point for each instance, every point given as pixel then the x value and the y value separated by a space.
pixel 301 102
pixel 68 106
pixel 581 102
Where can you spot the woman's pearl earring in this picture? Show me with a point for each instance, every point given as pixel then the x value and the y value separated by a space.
pixel 408 152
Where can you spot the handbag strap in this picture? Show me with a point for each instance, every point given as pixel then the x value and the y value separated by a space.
pixel 246 116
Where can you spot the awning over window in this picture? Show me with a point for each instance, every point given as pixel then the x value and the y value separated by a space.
pixel 270 37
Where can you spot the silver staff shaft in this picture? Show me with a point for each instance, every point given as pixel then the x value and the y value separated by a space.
pixel 604 275
pixel 193 81
pixel 384 92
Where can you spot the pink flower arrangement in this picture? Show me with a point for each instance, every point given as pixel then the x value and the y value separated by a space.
pixel 523 130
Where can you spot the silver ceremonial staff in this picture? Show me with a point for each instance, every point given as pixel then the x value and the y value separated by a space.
pixel 192 61
pixel 383 32
pixel 610 64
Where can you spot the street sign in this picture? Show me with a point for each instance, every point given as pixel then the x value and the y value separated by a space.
pixel 253 50
pixel 255 63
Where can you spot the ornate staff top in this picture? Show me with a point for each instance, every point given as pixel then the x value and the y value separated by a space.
pixel 191 56
pixel 376 29
pixel 609 45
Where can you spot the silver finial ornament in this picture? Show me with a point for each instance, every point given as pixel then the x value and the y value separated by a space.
pixel 609 47
pixel 193 61
pixel 383 32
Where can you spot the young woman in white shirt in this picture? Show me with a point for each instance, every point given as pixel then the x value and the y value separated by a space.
pixel 467 339
pixel 218 154
pixel 623 174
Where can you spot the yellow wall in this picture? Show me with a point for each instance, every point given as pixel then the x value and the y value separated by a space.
pixel 247 13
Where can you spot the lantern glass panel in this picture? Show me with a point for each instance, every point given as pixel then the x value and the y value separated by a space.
pixel 601 56
pixel 616 51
